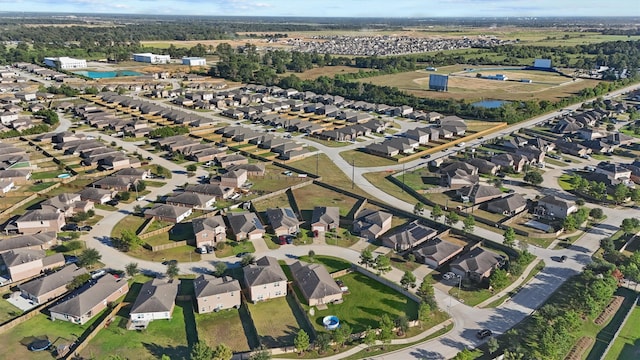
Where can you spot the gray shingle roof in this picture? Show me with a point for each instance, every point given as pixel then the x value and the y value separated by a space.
pixel 314 280
pixel 207 285
pixel 22 241
pixel 21 256
pixel 282 217
pixel 156 295
pixel 326 215
pixel 80 304
pixel 477 261
pixel 438 249
pixel 201 224
pixel 411 234
pixel 52 281
pixel 265 271
pixel 190 199
pixel 169 211
pixel 244 222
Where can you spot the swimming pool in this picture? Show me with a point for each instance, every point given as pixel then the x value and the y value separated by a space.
pixel 107 74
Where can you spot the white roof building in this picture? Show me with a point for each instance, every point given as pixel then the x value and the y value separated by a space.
pixel 65 63
pixel 152 58
pixel 194 61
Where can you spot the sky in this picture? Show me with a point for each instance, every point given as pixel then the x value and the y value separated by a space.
pixel 336 8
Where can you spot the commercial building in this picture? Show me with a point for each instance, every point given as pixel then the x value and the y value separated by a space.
pixel 194 61
pixel 152 58
pixel 65 63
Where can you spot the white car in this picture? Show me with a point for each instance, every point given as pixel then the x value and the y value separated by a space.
pixel 98 274
pixel 448 276
pixel 140 198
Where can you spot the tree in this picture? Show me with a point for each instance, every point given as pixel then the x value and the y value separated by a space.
pixel 411 257
pixel 402 323
pixel 342 334
pixel 533 178
pixel 509 237
pixel 630 225
pixel 301 342
pixel 311 254
pixel 467 354
pixel 323 340
pixel 596 213
pixel 222 352
pixel 220 268
pixel 172 269
pixel 408 280
pixel 418 209
pixel 620 193
pixel 369 336
pixel 569 223
pixel 469 224
pixel 493 345
pixel 201 351
pixel 260 355
pixel 424 312
pixel 366 258
pixel 383 264
pixel 436 212
pixel 89 257
pixel 71 245
pixel 498 279
pixel 247 260
pixel 386 329
pixel 129 240
pixel 78 281
pixel 635 194
pixel 137 209
pixel 427 293
pixel 452 218
pixel 131 269
pixel 192 168
pixel 124 196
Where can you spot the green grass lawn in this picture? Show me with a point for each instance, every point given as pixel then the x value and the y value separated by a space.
pixel 402 264
pixel 47 174
pixel 627 345
pixel 129 222
pixel 342 238
pixel 328 142
pixel 330 173
pixel 565 182
pixel 184 253
pixel 41 186
pixel 105 207
pixel 366 302
pixel 235 247
pixel 363 159
pixel 379 180
pixel 313 195
pixel 161 337
pixel 58 332
pixel 275 322
pixel 555 162
pixel 7 311
pixel 222 327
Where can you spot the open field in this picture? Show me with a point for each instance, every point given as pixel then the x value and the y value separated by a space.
pixel 330 173
pixel 546 86
pixel 222 327
pixel 329 71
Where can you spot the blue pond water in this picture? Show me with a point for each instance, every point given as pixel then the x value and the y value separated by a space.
pixel 489 104
pixel 107 74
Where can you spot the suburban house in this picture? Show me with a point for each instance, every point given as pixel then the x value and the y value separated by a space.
pixel 459 174
pixel 477 264
pixel 477 193
pixel 409 236
pixel 209 230
pixel 168 213
pixel 325 218
pixel 265 279
pixel 97 195
pixel 283 221
pixel 245 225
pixel 155 301
pixel 572 148
pixel 371 224
pixel 513 161
pixel 89 300
pixel 215 189
pixel 24 263
pixel 510 205
pixel 215 294
pixel 35 221
pixel 39 241
pixel 192 200
pixel 234 179
pixel 50 286
pixel 421 135
pixel 613 171
pixel 115 183
pixel 68 204
pixel 19 177
pixel 436 252
pixel 553 206
pixel 484 166
pixel 315 283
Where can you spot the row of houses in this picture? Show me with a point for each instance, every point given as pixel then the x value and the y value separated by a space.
pixel 285 148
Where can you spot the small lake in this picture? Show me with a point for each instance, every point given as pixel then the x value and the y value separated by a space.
pixel 489 104
pixel 107 74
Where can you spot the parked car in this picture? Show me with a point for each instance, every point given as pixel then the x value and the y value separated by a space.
pixel 149 158
pixel 70 227
pixel 202 250
pixel 448 276
pixel 563 258
pixel 70 259
pixel 86 228
pixel 483 334
pixel 113 202
pixel 98 273
pixel 242 254
pixel 140 198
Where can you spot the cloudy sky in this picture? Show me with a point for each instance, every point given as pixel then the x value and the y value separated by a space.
pixel 338 8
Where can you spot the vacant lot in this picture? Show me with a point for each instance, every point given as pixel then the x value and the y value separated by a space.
pixel 222 327
pixel 366 302
pixel 275 322
pixel 313 195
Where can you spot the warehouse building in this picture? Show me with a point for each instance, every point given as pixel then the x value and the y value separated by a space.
pixel 151 58
pixel 65 63
pixel 194 61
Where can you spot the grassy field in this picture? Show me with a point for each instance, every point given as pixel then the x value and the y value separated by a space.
pixel 277 201
pixel 331 263
pixel 222 327
pixel 130 222
pixel 275 322
pixel 627 345
pixel 378 179
pixel 313 195
pixel 234 247
pixel 7 310
pixel 168 337
pixel 329 71
pixel 363 159
pixel 366 302
pixel 184 253
pixel 330 173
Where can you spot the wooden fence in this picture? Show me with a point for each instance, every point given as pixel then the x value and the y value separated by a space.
pixel 74 351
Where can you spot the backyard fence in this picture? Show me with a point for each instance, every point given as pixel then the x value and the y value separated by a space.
pixel 76 348
pixel 387 282
pixel 10 210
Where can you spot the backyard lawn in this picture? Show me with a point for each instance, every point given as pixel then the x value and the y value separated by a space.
pixel 222 327
pixel 313 195
pixel 379 180
pixel 168 337
pixel 366 301
pixel 129 222
pixel 7 310
pixel 329 172
pixel 235 247
pixel 332 264
pixel 281 200
pixel 182 254
pixel 363 159
pixel 275 322
pixel 627 345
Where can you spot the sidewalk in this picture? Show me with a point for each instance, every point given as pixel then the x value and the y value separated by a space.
pixel 361 347
pixel 514 285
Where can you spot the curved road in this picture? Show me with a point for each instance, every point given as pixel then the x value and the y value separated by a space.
pixel 467 319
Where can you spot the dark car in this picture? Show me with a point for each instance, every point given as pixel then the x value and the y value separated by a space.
pixel 71 227
pixel 483 334
pixel 242 254
pixel 170 262
pixel 426 156
pixel 86 228
pixel 70 259
pixel 563 258
pixel 149 158
pixel 113 202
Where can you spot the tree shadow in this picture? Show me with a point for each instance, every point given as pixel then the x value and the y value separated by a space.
pixel 180 352
pixel 426 355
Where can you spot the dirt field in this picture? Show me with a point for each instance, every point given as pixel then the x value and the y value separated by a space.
pixel 545 86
